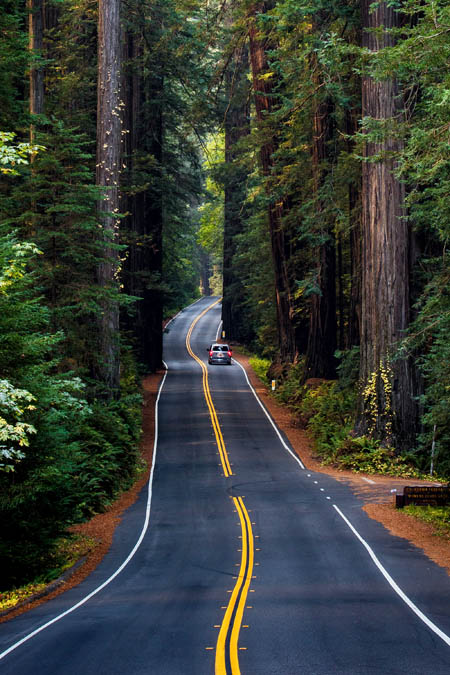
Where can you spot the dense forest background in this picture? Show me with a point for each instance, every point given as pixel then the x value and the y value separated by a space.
pixel 292 155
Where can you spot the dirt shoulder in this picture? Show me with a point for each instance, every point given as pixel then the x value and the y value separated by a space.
pixel 377 492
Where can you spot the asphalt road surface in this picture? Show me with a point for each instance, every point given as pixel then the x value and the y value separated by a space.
pixel 250 564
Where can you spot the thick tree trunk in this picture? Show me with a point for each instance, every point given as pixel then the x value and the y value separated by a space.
pixel 205 272
pixel 320 360
pixel 354 198
pixel 237 126
pixel 387 409
pixel 144 264
pixel 107 177
pixel 263 91
pixel 35 45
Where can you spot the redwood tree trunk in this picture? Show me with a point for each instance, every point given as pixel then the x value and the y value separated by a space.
pixel 320 360
pixel 263 90
pixel 143 269
pixel 237 126
pixel 35 46
pixel 107 177
pixel 354 198
pixel 387 409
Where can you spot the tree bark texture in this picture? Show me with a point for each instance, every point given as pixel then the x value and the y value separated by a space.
pixel 263 91
pixel 35 44
pixel 143 269
pixel 320 360
pixel 237 126
pixel 109 136
pixel 205 272
pixel 386 402
pixel 354 208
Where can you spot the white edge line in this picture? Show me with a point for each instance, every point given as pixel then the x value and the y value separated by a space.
pixel 297 459
pixel 372 482
pixel 125 562
pixel 393 584
pixel 218 330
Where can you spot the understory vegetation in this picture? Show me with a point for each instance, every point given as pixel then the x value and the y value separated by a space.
pixel 438 516
pixel 326 409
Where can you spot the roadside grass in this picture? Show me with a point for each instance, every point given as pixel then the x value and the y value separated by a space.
pixel 68 551
pixel 437 516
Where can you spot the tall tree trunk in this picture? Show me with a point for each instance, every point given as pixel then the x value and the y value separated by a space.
pixel 35 45
pixel 320 360
pixel 237 126
pixel 205 272
pixel 263 91
pixel 145 91
pixel 354 198
pixel 387 408
pixel 107 177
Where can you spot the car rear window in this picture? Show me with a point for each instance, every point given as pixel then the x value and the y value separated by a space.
pixel 220 348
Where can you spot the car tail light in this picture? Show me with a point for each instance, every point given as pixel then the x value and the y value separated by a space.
pixel 229 352
pixel 211 352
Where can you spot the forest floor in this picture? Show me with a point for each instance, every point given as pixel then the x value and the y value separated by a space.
pixel 375 491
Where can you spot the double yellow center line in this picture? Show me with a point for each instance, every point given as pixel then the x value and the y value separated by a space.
pixel 215 422
pixel 227 648
pixel 232 621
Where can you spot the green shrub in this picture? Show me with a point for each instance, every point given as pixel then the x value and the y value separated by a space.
pixel 329 414
pixel 366 455
pixel 438 516
pixel 63 457
pixel 260 366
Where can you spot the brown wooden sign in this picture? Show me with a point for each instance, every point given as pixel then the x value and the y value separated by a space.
pixel 424 495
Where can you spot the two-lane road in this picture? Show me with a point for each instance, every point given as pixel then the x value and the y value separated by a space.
pixel 249 564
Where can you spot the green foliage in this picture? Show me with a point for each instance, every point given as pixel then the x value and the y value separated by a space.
pixel 14 155
pixel 14 403
pixel 66 552
pixel 364 454
pixel 329 413
pixel 438 516
pixel 62 457
pixel 260 366
pixel 211 211
pixel 13 63
pixel 428 336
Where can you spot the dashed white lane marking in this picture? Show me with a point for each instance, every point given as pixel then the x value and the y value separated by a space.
pixel 125 562
pixel 372 482
pixel 432 626
pixel 297 459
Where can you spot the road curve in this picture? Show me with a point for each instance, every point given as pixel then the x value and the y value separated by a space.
pixel 255 566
